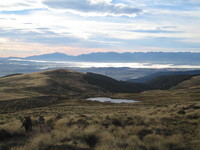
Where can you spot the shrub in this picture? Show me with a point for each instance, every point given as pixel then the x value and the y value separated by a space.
pixel 181 112
pixel 174 146
pixel 4 135
pixel 40 142
pixel 91 139
pixel 142 133
pixel 193 116
pixel 50 122
pixel 82 123
pixel 175 142
pixel 14 128
pixel 163 131
pixel 4 147
pixel 61 123
pixel 116 122
pixel 91 136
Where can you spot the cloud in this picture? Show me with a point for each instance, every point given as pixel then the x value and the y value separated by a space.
pixel 45 37
pixel 17 5
pixel 156 31
pixel 93 7
pixel 163 7
pixel 55 28
pixel 42 24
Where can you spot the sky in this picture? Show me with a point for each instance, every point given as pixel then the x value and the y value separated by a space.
pixel 74 27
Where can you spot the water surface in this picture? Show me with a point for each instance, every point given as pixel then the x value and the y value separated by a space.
pixel 106 99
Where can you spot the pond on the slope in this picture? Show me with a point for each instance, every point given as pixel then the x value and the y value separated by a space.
pixel 106 99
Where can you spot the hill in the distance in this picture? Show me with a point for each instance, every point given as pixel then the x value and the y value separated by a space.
pixel 54 82
pixel 192 84
pixel 62 82
pixel 166 82
pixel 154 76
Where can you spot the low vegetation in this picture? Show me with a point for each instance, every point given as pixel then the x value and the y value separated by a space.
pixel 62 82
pixel 84 125
pixel 166 82
pixel 163 120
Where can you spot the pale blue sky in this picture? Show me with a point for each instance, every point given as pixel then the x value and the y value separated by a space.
pixel 31 27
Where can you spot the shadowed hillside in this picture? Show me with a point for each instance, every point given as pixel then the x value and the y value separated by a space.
pixel 184 92
pixel 166 82
pixel 113 85
pixel 192 84
pixel 166 73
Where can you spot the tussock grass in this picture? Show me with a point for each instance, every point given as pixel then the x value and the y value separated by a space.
pixel 14 128
pixel 163 120
pixel 116 132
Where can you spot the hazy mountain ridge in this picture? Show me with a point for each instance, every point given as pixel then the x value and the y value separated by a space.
pixel 184 58
pixel 13 65
pixel 51 57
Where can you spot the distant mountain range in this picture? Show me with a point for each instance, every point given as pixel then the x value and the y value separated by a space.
pixel 51 57
pixel 183 58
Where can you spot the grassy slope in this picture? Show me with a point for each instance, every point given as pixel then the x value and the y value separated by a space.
pixel 164 73
pixel 186 91
pixel 77 124
pixel 54 82
pixel 163 120
pixel 189 84
pixel 166 82
pixel 62 82
pixel 113 85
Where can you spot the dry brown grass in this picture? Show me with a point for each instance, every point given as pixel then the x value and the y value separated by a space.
pixel 91 125
pixel 163 120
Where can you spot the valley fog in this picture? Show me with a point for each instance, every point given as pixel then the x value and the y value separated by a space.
pixel 51 64
pixel 116 70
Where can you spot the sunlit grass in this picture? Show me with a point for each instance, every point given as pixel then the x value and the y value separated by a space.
pixel 163 120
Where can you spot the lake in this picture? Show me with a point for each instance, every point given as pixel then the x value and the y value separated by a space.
pixel 106 99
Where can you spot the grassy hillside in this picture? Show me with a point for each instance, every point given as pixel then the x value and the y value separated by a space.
pixel 184 92
pixel 166 82
pixel 163 120
pixel 54 82
pixel 164 73
pixel 113 85
pixel 61 82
